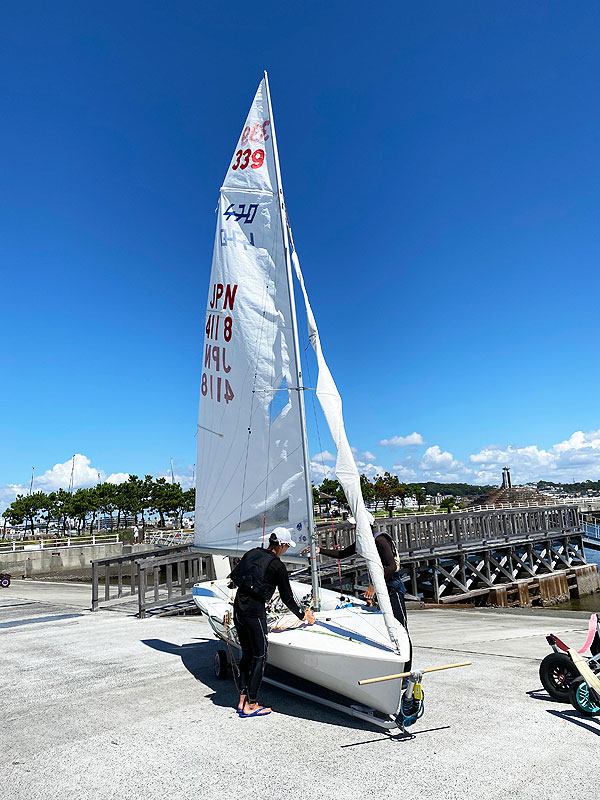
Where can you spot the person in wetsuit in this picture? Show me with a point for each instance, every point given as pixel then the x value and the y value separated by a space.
pixel 393 581
pixel 257 576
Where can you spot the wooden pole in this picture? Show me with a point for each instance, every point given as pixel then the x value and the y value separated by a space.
pixel 406 674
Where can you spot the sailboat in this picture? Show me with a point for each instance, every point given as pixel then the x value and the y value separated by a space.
pixel 253 467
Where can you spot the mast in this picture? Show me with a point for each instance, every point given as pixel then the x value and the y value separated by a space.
pixel 288 264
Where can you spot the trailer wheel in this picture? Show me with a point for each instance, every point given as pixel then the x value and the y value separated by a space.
pixel 582 699
pixel 557 673
pixel 221 664
pixel 5 582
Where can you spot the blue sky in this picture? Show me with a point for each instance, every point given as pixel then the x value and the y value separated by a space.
pixel 440 164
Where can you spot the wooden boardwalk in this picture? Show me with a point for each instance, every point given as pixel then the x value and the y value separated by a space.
pixel 507 556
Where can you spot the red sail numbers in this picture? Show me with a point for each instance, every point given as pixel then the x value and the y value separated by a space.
pixel 252 134
pixel 218 327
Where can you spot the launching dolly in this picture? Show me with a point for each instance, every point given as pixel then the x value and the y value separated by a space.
pixel 584 691
pixel 412 703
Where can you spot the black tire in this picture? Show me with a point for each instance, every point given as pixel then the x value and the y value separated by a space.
pixel 221 664
pixel 557 673
pixel 582 699
pixel 5 582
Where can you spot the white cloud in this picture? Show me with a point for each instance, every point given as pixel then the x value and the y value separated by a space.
pixel 362 455
pixel 319 472
pixel 184 475
pixel 118 477
pixel 84 475
pixel 574 459
pixel 434 458
pixel 370 470
pixel 403 472
pixel 412 440
pixel 59 477
pixel 324 456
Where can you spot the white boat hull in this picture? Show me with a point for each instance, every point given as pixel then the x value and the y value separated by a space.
pixel 344 645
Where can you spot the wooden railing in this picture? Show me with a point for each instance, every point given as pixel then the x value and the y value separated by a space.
pixel 119 566
pixel 153 593
pixel 431 532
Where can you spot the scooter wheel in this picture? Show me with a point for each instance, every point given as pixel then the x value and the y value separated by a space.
pixel 220 664
pixel 557 673
pixel 582 699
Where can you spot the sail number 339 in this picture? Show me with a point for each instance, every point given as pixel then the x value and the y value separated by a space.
pixel 243 158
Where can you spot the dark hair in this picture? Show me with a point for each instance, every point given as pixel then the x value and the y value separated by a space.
pixel 273 541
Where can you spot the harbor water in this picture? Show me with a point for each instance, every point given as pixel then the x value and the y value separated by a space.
pixel 589 603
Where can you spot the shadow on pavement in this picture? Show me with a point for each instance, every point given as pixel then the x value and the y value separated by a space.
pixel 542 694
pixel 590 724
pixel 198 658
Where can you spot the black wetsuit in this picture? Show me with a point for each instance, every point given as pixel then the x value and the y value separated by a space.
pixel 394 582
pixel 250 619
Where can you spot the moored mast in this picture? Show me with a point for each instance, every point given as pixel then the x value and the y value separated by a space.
pixel 288 262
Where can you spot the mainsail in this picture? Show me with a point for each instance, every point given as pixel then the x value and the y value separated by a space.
pixel 251 468
pixel 252 463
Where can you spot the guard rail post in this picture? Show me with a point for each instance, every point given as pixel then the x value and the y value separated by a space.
pixel 94 586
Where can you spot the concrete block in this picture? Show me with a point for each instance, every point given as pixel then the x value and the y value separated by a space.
pixel 588 579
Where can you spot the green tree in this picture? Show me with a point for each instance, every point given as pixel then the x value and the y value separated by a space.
pixel 49 506
pixel 63 507
pixel 133 496
pixel 188 503
pixel 165 499
pixel 26 508
pixel 81 505
pixel 448 503
pixel 367 489
pixel 419 495
pixel 403 493
pixel 106 495
pixel 121 500
pixel 331 489
pixel 386 489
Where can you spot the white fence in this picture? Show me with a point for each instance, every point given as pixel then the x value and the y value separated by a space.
pixel 68 541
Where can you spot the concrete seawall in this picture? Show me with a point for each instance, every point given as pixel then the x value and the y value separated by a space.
pixel 29 563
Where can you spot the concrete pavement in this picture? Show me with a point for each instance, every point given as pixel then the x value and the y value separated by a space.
pixel 106 705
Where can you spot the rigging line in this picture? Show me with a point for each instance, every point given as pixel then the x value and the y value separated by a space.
pixel 314 408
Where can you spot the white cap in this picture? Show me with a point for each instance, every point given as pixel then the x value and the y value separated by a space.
pixel 283 536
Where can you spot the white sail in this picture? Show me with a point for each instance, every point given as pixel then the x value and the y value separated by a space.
pixel 250 468
pixel 345 467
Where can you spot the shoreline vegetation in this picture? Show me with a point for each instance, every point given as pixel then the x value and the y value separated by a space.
pixel 135 498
